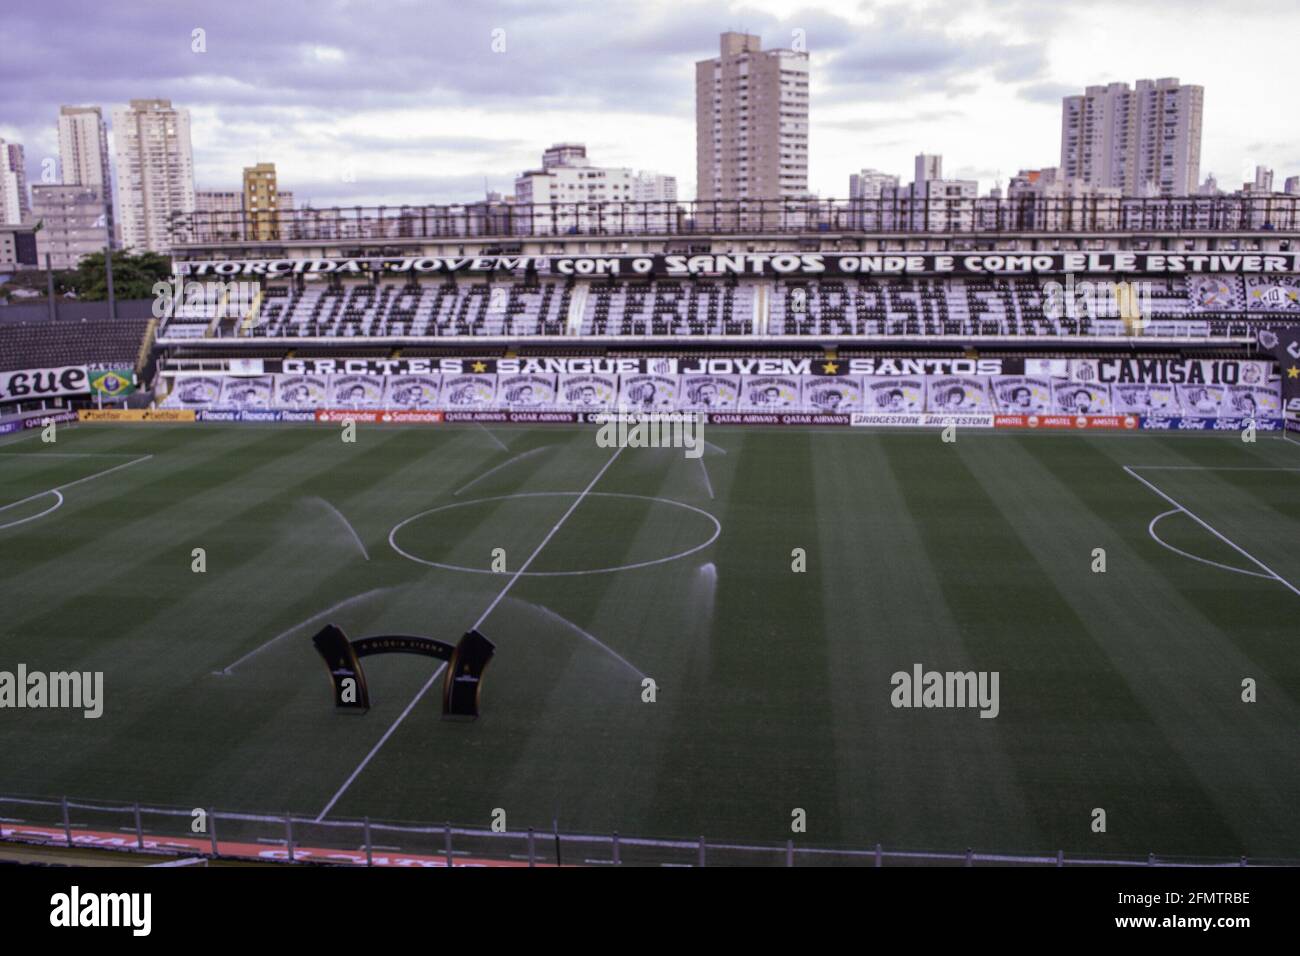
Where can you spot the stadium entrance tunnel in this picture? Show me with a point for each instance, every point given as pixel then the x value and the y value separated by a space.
pixel 607 532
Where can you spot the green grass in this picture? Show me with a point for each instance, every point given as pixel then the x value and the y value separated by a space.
pixel 1118 690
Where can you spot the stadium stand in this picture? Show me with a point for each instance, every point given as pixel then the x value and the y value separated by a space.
pixel 44 343
pixel 526 306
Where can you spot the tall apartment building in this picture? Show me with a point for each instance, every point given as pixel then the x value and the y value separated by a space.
pixel 224 212
pixel 1292 187
pixel 83 147
pixel 261 203
pixel 568 177
pixel 751 122
pixel 1144 141
pixel 74 223
pixel 869 183
pixel 155 171
pixel 930 202
pixel 14 208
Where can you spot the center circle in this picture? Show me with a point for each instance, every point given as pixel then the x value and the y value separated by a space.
pixel 717 530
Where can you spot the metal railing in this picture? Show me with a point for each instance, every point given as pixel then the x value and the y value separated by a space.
pixel 294 838
pixel 702 219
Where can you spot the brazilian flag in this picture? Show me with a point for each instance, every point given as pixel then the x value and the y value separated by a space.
pixel 112 383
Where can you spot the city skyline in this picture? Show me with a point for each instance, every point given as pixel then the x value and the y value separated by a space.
pixel 434 127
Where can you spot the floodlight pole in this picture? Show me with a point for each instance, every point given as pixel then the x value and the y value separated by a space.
pixel 108 276
pixel 49 293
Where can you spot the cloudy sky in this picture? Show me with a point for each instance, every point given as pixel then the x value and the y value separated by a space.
pixel 407 101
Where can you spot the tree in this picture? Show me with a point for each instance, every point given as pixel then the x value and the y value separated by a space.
pixel 133 275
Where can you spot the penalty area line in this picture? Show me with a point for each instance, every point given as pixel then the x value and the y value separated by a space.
pixel 71 484
pixel 1206 525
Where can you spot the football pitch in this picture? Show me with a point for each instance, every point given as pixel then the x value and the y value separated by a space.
pixel 1119 690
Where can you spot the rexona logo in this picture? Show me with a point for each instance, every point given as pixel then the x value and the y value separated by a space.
pixel 77 909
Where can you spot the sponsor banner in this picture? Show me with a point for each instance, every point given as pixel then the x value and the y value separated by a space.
pixel 611 367
pixel 30 383
pixel 770 393
pixel 301 391
pixel 957 394
pixel 412 391
pixel 379 416
pixel 246 392
pixel 1169 371
pixel 922 420
pixel 248 366
pixel 40 419
pixel 1077 398
pixel 806 264
pixel 1078 422
pixel 526 391
pixel 356 391
pixel 776 418
pixel 254 415
pixel 112 382
pixel 707 393
pixel 892 395
pixel 649 391
pixel 461 391
pixel 588 391
pixel 1022 394
pixel 530 418
pixel 1182 423
pixel 135 415
pixel 175 845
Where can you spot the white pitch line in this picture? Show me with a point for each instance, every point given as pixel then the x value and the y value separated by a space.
pixel 32 433
pixel 347 524
pixel 225 671
pixel 70 484
pixel 58 504
pixel 720 451
pixel 1286 437
pixel 500 444
pixel 582 633
pixel 705 468
pixel 382 740
pixel 549 535
pixel 483 617
pixel 1151 530
pixel 69 454
pixel 1207 468
pixel 1240 550
pixel 492 471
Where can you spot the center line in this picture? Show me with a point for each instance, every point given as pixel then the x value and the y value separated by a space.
pixel 483 617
